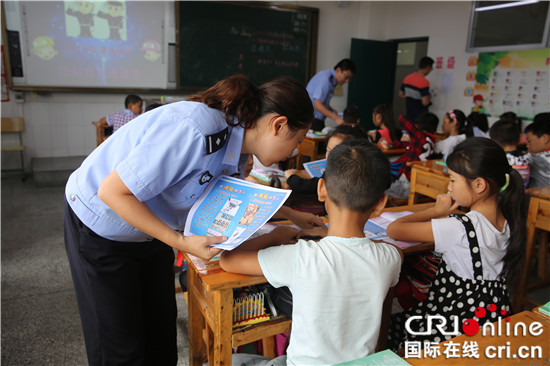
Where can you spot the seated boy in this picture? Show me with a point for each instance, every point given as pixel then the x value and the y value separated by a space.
pixel 506 133
pixel 339 284
pixel 133 105
pixel 538 144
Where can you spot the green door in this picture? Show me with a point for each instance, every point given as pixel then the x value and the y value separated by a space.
pixel 373 83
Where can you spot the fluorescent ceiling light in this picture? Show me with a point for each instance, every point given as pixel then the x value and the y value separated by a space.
pixel 507 5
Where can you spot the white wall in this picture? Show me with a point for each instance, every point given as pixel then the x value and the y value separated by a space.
pixel 59 124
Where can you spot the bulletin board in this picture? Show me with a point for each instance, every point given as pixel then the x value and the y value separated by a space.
pixel 514 81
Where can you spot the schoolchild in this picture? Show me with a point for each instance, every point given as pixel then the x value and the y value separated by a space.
pixel 456 129
pixel 352 116
pixel 479 123
pixel 482 251
pixel 338 135
pixel 384 120
pixel 127 204
pixel 339 284
pixel 512 116
pixel 538 144
pixel 133 105
pixel 506 134
pixel 321 90
pixel 420 136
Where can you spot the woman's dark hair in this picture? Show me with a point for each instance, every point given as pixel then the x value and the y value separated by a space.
pixel 238 98
pixel 479 120
pixel 388 119
pixel 479 157
pixel 463 126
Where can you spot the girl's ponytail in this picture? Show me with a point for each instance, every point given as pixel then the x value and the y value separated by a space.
pixel 512 203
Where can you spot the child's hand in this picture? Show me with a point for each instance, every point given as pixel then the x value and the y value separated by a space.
pixel 306 220
pixel 384 144
pixel 321 231
pixel 444 204
pixel 290 172
pixel 285 234
pixel 406 137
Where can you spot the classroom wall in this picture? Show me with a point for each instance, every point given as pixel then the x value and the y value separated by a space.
pixel 59 124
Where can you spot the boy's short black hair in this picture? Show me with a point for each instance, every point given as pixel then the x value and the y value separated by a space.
pixel 357 174
pixel 538 128
pixel 505 132
pixel 131 99
pixel 543 116
pixel 347 132
pixel 351 115
pixel 428 122
pixel 425 62
pixel 346 64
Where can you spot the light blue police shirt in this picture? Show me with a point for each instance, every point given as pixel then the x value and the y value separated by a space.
pixel 166 157
pixel 321 87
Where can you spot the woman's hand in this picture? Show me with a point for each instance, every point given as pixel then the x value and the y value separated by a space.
pixel 306 220
pixel 199 246
pixel 284 234
pixel 384 144
pixel 290 172
pixel 445 205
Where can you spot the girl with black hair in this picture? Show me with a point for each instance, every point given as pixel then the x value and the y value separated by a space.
pixel 456 128
pixel 387 128
pixel 482 251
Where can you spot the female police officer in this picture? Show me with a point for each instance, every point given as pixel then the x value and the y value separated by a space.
pixel 128 198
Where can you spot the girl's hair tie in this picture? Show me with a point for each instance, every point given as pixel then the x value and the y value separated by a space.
pixel 452 115
pixel 503 188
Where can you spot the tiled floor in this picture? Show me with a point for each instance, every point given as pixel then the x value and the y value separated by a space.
pixel 40 321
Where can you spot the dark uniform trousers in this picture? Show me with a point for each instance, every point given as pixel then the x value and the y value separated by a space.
pixel 126 297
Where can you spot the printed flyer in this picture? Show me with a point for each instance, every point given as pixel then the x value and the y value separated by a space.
pixel 316 168
pixel 234 208
pixel 375 228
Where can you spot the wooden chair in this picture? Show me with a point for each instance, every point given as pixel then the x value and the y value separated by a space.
pixel 101 132
pixel 14 125
pixel 538 220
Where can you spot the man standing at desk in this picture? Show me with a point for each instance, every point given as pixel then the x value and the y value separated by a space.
pixel 416 90
pixel 321 89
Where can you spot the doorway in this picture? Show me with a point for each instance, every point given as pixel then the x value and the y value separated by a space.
pixel 409 53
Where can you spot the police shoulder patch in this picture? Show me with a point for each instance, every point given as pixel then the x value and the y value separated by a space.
pixel 216 141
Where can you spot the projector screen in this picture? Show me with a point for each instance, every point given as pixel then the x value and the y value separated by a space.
pixel 93 44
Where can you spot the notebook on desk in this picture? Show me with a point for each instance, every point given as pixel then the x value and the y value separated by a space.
pixel 375 228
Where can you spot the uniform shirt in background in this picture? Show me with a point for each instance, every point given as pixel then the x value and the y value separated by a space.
pixel 119 119
pixel 321 87
pixel 166 157
pixel 451 241
pixel 415 86
pixel 521 161
pixel 338 287
pixel 540 170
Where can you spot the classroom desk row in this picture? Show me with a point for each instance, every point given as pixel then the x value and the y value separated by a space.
pixel 210 304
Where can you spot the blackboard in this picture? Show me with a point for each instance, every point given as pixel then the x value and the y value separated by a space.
pixel 259 40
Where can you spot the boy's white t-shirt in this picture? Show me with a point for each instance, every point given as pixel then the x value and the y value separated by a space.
pixel 451 241
pixel 338 287
pixel 447 145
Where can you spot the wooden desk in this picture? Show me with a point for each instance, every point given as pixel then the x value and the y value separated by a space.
pixel 101 132
pixel 394 151
pixel 488 346
pixel 538 218
pixel 313 147
pixel 427 178
pixel 210 314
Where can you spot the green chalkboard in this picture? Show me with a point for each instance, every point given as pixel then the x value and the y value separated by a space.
pixel 259 40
